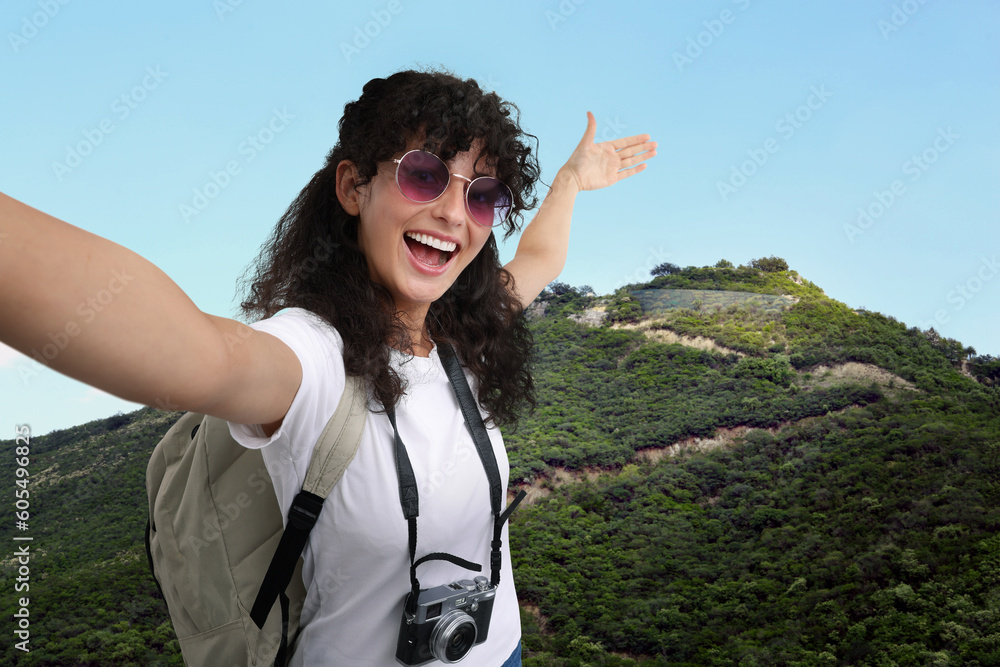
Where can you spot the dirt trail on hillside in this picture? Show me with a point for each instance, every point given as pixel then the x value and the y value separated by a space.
pixel 672 338
pixel 851 370
pixel 722 437
pixel 820 376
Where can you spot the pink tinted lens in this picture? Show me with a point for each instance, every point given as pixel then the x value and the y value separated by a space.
pixel 422 177
pixel 489 201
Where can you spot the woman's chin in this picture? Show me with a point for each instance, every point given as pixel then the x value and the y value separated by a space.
pixel 424 292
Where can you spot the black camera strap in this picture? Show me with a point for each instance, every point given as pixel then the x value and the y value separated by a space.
pixel 409 498
pixel 474 422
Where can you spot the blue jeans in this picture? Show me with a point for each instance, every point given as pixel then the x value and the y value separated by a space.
pixel 515 658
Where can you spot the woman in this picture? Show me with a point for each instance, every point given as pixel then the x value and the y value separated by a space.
pixel 386 252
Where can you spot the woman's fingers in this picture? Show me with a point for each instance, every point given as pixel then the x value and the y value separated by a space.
pixel 637 158
pixel 625 142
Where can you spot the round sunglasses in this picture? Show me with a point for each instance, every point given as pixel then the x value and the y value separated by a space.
pixel 422 177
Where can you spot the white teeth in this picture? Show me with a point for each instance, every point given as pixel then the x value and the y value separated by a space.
pixel 447 246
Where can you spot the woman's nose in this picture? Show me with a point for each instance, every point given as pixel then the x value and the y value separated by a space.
pixel 450 206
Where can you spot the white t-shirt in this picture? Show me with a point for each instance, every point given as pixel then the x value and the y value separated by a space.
pixel 356 564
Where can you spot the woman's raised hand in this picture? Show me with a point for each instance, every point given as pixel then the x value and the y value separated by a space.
pixel 599 165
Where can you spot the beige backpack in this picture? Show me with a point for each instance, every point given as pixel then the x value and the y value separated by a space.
pixel 230 574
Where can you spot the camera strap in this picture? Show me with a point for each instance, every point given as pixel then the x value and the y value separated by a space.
pixel 409 498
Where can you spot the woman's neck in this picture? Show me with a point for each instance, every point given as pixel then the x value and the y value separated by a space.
pixel 423 348
pixel 420 342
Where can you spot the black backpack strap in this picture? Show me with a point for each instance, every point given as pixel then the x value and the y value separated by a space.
pixel 301 519
pixel 335 449
pixel 149 556
pixel 281 658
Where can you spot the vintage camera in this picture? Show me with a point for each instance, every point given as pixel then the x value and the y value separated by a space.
pixel 449 621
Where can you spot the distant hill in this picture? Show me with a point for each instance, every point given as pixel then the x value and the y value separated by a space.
pixel 711 483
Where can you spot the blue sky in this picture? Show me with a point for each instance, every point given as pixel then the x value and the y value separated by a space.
pixel 856 139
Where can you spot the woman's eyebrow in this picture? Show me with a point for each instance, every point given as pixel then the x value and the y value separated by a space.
pixel 476 173
pixel 479 172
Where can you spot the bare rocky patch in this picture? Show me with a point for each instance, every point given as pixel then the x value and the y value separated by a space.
pixel 536 613
pixel 723 437
pixel 592 317
pixel 543 485
pixel 822 376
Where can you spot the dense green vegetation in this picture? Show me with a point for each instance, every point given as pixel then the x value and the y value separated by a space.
pixel 817 330
pixel 91 598
pixel 604 393
pixel 861 528
pixel 870 537
pixel 744 279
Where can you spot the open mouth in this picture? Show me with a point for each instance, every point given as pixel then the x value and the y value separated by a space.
pixel 428 250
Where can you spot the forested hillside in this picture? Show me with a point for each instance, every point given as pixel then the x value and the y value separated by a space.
pixel 710 484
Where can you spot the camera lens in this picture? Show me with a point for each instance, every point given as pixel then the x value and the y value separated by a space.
pixel 453 636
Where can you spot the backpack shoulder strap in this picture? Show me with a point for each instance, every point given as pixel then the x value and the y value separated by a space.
pixel 338 444
pixel 334 450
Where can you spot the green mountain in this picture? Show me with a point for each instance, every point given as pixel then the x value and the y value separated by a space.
pixel 725 467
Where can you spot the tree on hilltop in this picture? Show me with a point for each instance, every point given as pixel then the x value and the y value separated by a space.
pixel 665 269
pixel 559 288
pixel 769 264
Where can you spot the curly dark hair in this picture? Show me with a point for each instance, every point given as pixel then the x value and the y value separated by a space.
pixel 313 261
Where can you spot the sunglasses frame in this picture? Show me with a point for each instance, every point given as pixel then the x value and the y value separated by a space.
pixel 468 188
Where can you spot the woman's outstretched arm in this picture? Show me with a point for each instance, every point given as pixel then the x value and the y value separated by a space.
pixel 541 252
pixel 100 313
